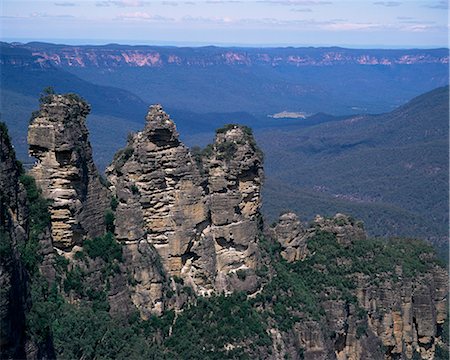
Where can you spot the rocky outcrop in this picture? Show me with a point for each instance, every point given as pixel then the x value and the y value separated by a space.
pixel 65 171
pixel 161 206
pixel 116 56
pixel 344 227
pixel 18 239
pixel 234 174
pixel 200 214
pixel 13 277
pixel 406 316
pixel 292 236
pixel 395 316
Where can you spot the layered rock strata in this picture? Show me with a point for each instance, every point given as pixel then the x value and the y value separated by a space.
pixel 234 178
pixel 65 171
pixel 395 317
pixel 292 236
pixel 200 214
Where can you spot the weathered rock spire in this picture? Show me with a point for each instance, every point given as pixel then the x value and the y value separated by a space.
pixel 65 171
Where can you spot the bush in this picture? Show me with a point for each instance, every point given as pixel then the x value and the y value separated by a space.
pixel 109 221
pixel 105 247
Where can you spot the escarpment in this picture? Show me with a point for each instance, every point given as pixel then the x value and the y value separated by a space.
pixel 387 309
pixel 199 212
pixel 178 233
pixel 65 170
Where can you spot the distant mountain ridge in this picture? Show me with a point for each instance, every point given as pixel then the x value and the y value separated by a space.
pixel 114 55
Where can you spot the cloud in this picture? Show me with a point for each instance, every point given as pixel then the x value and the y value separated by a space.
pixel 169 3
pixel 346 26
pixel 224 1
pixel 122 3
pixel 65 3
pixel 45 15
pixel 143 16
pixel 305 10
pixel 438 5
pixel 296 2
pixel 388 3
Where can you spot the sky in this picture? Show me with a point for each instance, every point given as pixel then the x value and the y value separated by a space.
pixel 353 23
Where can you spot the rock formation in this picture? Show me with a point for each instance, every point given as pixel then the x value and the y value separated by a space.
pixel 65 171
pixel 16 230
pixel 292 236
pixel 201 218
pixel 396 316
pixel 192 221
pixel 234 175
pixel 344 227
pixel 13 281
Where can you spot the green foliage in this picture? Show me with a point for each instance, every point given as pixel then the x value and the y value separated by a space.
pixel 241 274
pixel 74 97
pixel 45 304
pixel 361 330
pixel 5 245
pixel 39 220
pixel 226 150
pixel 114 203
pixel 109 221
pixel 74 281
pixel 46 95
pixel 105 247
pixel 134 189
pixel 296 290
pixel 121 157
pixel 202 331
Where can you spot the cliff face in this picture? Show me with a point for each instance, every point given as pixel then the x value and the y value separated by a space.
pixel 65 171
pixel 153 56
pixel 13 279
pixel 201 218
pixel 394 314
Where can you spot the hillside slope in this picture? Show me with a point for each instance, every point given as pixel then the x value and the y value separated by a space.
pixel 390 168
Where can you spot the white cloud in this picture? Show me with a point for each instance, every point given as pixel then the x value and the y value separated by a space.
pixel 143 16
pixel 122 3
pixel 388 3
pixel 65 3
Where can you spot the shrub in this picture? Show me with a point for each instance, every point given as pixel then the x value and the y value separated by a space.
pixel 109 221
pixel 105 247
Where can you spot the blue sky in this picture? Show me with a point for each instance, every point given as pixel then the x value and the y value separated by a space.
pixel 355 23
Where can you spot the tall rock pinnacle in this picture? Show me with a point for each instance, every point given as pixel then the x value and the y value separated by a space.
pixel 201 218
pixel 65 171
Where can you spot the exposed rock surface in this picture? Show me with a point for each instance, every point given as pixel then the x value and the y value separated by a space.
pixel 344 227
pixel 14 277
pixel 395 317
pixel 203 219
pixel 235 175
pixel 292 236
pixel 65 170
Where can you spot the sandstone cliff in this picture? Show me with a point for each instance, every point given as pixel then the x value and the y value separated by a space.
pixel 65 170
pixel 390 312
pixel 200 214
pixel 13 280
